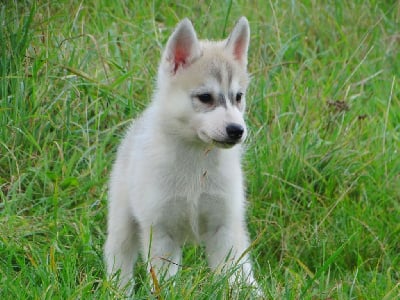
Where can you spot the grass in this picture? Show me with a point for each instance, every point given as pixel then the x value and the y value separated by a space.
pixel 322 164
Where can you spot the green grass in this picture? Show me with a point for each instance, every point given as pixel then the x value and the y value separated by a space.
pixel 322 164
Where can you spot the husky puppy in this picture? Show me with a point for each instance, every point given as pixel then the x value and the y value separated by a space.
pixel 177 176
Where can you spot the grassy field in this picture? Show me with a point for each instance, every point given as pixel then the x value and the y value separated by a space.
pixel 322 161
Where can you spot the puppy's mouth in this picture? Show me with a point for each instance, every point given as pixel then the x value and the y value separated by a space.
pixel 226 144
pixel 222 142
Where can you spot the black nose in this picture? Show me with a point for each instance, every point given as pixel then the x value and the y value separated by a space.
pixel 234 131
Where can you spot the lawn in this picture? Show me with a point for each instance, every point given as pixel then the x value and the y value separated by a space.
pixel 322 161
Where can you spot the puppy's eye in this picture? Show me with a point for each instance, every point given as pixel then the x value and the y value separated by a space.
pixel 205 98
pixel 239 97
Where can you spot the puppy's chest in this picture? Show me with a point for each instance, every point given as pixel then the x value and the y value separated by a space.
pixel 192 173
pixel 193 196
pixel 188 217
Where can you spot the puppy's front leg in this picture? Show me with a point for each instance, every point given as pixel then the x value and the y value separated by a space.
pixel 162 251
pixel 224 248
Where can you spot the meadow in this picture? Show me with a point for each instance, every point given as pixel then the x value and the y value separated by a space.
pixel 322 160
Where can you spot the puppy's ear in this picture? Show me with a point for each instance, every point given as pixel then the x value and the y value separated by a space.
pixel 182 48
pixel 238 41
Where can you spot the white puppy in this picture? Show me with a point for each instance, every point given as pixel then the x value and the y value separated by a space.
pixel 178 176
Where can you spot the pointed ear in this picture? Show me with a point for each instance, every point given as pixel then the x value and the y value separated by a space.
pixel 183 47
pixel 238 40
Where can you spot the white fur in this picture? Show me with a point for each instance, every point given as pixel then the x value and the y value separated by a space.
pixel 174 179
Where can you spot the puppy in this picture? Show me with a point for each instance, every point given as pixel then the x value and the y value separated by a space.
pixel 177 177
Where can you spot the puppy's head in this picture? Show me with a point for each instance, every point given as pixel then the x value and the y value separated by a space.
pixel 202 85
